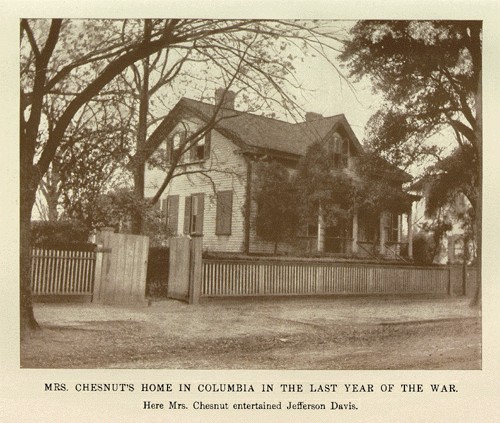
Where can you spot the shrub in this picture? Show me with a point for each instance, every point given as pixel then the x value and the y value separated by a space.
pixel 65 232
pixel 424 248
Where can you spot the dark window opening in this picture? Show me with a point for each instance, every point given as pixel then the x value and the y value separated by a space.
pixel 193 214
pixel 312 230
pixel 392 229
pixel 201 148
pixel 176 146
pixel 339 150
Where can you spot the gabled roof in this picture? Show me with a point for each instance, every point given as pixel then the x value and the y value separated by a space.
pixel 253 131
pixel 388 169
pixel 272 134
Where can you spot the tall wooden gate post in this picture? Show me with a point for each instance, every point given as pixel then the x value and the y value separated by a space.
pixel 195 269
pixel 178 269
pixel 98 273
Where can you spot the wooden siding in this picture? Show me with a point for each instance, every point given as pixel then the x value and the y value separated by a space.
pixel 60 272
pixel 256 278
pixel 227 172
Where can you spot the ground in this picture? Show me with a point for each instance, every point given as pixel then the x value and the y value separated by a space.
pixel 272 333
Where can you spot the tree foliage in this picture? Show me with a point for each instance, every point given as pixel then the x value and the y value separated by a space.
pixel 321 187
pixel 62 232
pixel 371 184
pixel 429 73
pixel 378 186
pixel 451 177
pixel 275 195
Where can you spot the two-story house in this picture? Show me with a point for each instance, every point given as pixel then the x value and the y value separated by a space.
pixel 211 191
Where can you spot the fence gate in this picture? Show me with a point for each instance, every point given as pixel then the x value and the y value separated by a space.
pixel 123 268
pixel 185 269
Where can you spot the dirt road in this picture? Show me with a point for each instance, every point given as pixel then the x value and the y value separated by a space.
pixel 278 333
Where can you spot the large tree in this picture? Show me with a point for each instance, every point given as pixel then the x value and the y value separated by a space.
pixel 66 64
pixel 429 74
pixel 258 65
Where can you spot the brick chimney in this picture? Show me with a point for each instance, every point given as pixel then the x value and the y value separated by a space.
pixel 310 116
pixel 226 97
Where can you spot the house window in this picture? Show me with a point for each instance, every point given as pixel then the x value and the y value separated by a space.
pixel 175 147
pixel 201 149
pixel 339 150
pixel 171 209
pixel 224 213
pixel 193 214
pixel 311 230
pixel 392 229
pixel 368 226
pixel 345 153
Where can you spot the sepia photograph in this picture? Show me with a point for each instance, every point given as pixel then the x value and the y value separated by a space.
pixel 250 194
pixel 243 211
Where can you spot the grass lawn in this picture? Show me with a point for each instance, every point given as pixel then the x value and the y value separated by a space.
pixel 270 333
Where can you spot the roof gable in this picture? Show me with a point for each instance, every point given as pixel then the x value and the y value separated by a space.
pixel 252 131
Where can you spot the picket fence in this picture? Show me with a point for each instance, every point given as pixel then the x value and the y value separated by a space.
pixel 62 272
pixel 258 278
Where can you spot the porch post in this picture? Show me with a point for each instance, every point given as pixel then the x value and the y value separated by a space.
pixel 410 233
pixel 381 233
pixel 321 231
pixel 355 233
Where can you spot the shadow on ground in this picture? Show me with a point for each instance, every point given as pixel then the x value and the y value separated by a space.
pixel 285 333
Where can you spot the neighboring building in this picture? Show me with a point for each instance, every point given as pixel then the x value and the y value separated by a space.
pixel 451 248
pixel 212 192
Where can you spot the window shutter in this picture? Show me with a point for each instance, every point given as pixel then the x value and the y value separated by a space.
pixel 164 205
pixel 208 141
pixel 199 220
pixel 187 214
pixel 224 213
pixel 173 213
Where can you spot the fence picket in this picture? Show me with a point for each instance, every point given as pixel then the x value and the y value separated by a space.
pixel 61 272
pixel 239 278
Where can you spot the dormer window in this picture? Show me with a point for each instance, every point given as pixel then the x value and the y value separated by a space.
pixel 201 149
pixel 176 146
pixel 339 151
pixel 345 152
pixel 180 152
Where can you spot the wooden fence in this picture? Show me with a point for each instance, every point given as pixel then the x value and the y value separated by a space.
pixel 62 272
pixel 256 278
pixel 112 272
pixel 121 275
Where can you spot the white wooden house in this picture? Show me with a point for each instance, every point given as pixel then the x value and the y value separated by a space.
pixel 211 194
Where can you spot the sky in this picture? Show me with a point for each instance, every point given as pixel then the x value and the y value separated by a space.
pixel 328 94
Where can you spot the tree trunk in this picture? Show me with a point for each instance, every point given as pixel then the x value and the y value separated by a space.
pixel 476 299
pixel 142 130
pixel 137 216
pixel 28 321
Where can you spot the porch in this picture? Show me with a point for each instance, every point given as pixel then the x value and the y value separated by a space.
pixel 388 236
